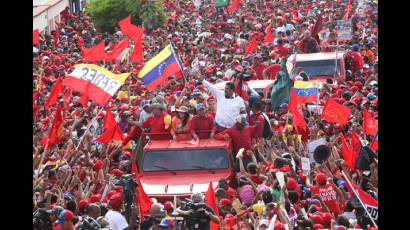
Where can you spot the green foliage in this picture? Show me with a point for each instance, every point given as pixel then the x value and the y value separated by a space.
pixel 105 14
pixel 153 15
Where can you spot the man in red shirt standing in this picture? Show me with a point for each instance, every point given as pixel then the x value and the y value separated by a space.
pixel 158 122
pixel 202 125
pixel 329 193
pixel 270 72
pixel 354 59
pixel 258 66
pixel 241 135
pixel 281 50
pixel 257 119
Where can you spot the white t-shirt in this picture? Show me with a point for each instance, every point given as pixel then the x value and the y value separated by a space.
pixel 116 220
pixel 227 109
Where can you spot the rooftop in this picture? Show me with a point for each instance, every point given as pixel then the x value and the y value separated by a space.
pixel 39 6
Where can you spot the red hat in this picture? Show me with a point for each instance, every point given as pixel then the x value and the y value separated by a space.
pixel 116 200
pixel 124 107
pixel 223 202
pixel 341 228
pixel 342 100
pixel 99 164
pixel 83 203
pixel 291 185
pixel 279 226
pixel 316 218
pixel 95 198
pixel 168 205
pixel 68 215
pixel 321 178
pixel 110 193
pixel 318 227
pixel 354 88
pixel 117 172
pixel 358 84
pixel 225 78
pixel 211 98
pixel 239 68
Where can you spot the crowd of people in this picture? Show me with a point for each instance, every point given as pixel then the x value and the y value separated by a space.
pixel 76 184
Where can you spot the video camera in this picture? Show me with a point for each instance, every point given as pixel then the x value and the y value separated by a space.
pixel 129 184
pixel 41 220
pixel 198 209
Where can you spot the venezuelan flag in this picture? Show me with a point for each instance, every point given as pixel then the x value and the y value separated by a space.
pixel 306 91
pixel 159 68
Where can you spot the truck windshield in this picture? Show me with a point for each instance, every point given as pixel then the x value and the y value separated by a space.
pixel 174 160
pixel 319 67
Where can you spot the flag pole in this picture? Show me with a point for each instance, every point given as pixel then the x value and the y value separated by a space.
pixel 358 197
pixel 88 127
pixel 178 60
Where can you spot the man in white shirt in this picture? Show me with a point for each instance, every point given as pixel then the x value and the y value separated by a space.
pixel 228 105
pixel 116 220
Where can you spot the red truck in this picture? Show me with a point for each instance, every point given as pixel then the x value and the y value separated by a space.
pixel 171 169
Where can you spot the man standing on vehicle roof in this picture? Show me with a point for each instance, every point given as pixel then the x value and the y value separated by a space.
pixel 228 104
pixel 202 125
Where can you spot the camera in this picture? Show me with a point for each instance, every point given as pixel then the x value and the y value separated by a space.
pixel 129 184
pixel 41 220
pixel 198 209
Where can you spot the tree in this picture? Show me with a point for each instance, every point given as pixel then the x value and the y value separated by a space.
pixel 105 14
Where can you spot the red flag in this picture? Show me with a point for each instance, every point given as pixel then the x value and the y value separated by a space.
pixel 211 202
pixel 233 6
pixel 57 129
pixel 366 198
pixel 269 38
pixel 111 129
pixel 80 42
pixel 251 46
pixel 294 14
pixel 67 97
pixel 144 201
pixel 356 144
pixel 124 24
pixel 370 125
pixel 335 112
pixel 298 119
pixel 95 53
pixel 347 153
pixel 317 28
pixel 347 11
pixel 84 100
pixel 135 33
pixel 57 35
pixel 36 37
pixel 117 50
pixel 55 92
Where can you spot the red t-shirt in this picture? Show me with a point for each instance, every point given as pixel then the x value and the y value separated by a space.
pixel 272 70
pixel 231 192
pixel 256 179
pixel 328 195
pixel 240 139
pixel 199 124
pixel 259 70
pixel 157 125
pixel 259 122
pixel 282 51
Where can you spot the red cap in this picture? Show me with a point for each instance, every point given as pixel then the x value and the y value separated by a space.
pixel 117 172
pixel 318 227
pixel 211 98
pixel 316 218
pixel 223 202
pixel 69 215
pixel 321 178
pixel 83 203
pixel 291 185
pixel 98 165
pixel 95 198
pixel 358 84
pixel 110 193
pixel 124 107
pixel 239 68
pixel 168 205
pixel 354 88
pixel 116 200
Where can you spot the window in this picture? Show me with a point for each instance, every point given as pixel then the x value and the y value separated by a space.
pixel 164 160
pixel 319 67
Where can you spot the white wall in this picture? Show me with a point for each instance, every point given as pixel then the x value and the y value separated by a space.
pixel 47 18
